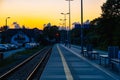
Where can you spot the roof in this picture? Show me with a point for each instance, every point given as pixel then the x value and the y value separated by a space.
pixel 28 32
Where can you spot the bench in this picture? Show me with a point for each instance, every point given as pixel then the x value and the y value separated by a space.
pixel 111 57
pixel 90 53
pixel 103 58
pixel 84 52
pixel 116 60
pixel 93 54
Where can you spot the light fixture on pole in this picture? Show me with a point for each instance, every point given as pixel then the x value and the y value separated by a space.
pixel 62 31
pixel 62 23
pixel 65 26
pixel 69 22
pixel 65 18
pixel 6 20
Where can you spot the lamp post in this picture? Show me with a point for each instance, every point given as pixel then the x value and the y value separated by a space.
pixel 6 20
pixel 62 23
pixel 69 22
pixel 65 18
pixel 62 28
pixel 65 25
pixel 81 26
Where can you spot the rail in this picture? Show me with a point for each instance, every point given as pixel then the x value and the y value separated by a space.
pixel 31 62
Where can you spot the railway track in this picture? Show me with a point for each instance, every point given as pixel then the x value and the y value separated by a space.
pixel 30 68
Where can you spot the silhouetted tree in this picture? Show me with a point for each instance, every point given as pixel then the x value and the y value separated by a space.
pixel 75 35
pixel 111 9
pixel 104 31
pixel 51 33
pixel 110 21
pixel 4 28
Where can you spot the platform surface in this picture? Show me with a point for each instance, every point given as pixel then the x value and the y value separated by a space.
pixel 67 64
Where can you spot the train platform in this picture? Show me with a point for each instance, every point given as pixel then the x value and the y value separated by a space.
pixel 67 64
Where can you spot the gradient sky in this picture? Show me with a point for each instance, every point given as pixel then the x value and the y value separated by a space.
pixel 36 13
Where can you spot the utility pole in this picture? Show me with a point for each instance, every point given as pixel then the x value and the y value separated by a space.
pixel 69 40
pixel 81 26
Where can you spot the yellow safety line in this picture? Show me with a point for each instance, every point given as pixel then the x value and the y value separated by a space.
pixel 66 68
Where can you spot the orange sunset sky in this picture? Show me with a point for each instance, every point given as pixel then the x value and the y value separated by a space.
pixel 36 13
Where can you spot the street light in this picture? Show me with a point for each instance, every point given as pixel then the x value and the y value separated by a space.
pixel 65 25
pixel 69 22
pixel 82 26
pixel 65 18
pixel 6 20
pixel 62 28
pixel 62 23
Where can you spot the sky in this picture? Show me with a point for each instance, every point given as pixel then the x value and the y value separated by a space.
pixel 36 13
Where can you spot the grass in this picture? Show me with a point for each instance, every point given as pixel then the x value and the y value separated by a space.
pixel 17 56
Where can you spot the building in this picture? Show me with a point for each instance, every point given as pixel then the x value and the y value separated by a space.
pixel 20 36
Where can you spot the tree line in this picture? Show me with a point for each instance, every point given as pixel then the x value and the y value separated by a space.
pixel 104 31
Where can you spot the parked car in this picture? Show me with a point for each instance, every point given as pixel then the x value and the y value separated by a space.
pixel 3 47
pixel 31 45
